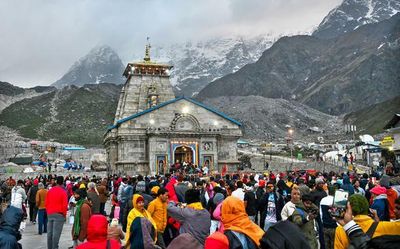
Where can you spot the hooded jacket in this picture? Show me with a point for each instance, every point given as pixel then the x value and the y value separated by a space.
pixel 134 222
pixel 391 197
pixel 97 234
pixel 364 221
pixel 381 205
pixel 9 228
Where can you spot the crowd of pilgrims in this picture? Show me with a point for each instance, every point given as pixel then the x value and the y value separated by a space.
pixel 235 211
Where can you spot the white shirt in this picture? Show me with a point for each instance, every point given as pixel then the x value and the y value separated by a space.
pixel 18 196
pixel 288 210
pixel 271 210
pixel 238 193
pixel 327 201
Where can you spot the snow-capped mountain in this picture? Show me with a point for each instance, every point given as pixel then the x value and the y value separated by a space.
pixel 100 65
pixel 334 76
pixel 197 64
pixel 352 14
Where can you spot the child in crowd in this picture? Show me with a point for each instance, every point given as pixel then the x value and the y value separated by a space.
pixel 114 231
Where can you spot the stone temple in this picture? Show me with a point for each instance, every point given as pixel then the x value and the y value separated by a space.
pixel 153 129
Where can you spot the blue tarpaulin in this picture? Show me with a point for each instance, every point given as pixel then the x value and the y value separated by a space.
pixel 39 163
pixel 74 148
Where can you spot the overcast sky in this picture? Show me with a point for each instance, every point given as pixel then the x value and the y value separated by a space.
pixel 41 39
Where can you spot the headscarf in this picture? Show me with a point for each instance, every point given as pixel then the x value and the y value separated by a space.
pixel 154 190
pixel 216 240
pixel 144 235
pixel 135 213
pixel 234 217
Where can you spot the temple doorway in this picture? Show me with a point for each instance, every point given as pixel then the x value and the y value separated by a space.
pixel 184 154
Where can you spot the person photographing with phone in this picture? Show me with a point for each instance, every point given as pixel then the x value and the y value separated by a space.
pixel 356 226
pixel 304 216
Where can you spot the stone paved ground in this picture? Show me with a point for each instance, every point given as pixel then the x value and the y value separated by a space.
pixel 32 240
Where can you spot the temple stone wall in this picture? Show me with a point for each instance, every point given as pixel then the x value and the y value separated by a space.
pixel 157 146
pixel 139 137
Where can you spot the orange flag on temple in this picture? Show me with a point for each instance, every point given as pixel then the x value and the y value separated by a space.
pixel 224 169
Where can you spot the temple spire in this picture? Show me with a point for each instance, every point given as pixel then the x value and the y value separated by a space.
pixel 147 52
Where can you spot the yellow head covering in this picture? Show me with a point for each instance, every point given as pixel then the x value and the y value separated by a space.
pixel 133 214
pixel 154 190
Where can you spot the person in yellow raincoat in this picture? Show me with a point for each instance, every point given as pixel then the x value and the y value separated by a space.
pixel 141 229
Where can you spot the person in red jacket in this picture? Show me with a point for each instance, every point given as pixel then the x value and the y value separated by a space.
pixel 56 208
pixel 97 235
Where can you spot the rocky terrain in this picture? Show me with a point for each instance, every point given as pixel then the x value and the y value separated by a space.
pixel 352 14
pixel 101 65
pixel 198 63
pixel 334 76
pixel 76 115
pixel 10 94
pixel 372 119
pixel 261 116
pixel 347 71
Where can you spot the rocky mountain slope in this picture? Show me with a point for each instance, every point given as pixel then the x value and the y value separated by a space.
pixel 352 14
pixel 80 115
pixel 260 116
pixel 372 119
pixel 198 63
pixel 10 94
pixel 335 76
pixel 101 65
pixel 195 63
pixel 77 115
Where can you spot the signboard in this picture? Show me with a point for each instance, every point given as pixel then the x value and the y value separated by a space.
pixel 387 141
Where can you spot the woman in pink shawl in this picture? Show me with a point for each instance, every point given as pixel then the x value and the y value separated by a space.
pixel 218 200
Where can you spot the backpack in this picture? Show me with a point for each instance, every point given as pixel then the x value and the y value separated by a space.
pixel 284 234
pixel 302 214
pixel 124 194
pixel 382 242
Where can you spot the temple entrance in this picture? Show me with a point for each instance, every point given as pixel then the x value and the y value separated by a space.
pixel 184 154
